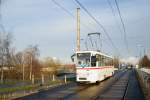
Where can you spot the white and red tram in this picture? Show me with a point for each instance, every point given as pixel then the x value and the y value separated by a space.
pixel 93 66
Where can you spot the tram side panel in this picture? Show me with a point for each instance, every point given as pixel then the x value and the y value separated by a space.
pixel 110 71
pixel 105 72
pixel 92 75
pixel 89 75
pixel 102 74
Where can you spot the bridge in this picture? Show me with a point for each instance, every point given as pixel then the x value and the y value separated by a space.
pixel 125 84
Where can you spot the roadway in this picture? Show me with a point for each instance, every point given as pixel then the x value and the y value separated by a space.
pixel 122 86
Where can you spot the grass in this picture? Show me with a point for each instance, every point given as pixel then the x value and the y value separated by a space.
pixel 12 82
pixel 31 86
pixel 13 89
pixel 28 87
pixel 8 83
pixel 54 82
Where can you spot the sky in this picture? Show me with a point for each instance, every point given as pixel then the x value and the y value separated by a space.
pixel 43 23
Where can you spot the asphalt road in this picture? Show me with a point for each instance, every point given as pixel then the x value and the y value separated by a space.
pixel 72 91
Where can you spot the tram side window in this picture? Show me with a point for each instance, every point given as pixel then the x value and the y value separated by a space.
pixel 102 61
pixel 98 60
pixel 109 62
pixel 93 61
pixel 105 61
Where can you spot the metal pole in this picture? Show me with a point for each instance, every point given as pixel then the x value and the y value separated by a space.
pixel 53 77
pixel 23 67
pixel 32 79
pixel 42 78
pixel 31 67
pixel 65 79
pixel 2 70
pixel 100 42
pixel 86 46
pixel 78 29
pixel 144 51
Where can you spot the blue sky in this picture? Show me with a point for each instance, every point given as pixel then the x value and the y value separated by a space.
pixel 42 23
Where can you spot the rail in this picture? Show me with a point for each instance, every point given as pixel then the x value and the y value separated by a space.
pixel 117 91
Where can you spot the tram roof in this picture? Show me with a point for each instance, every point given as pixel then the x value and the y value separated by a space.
pixel 95 52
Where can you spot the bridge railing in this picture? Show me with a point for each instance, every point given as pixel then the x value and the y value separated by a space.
pixel 144 80
pixel 146 70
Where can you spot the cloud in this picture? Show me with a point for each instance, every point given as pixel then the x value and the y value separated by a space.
pixel 131 60
pixel 42 22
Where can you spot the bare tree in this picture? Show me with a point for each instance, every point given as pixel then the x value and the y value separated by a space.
pixel 19 63
pixel 144 61
pixel 1 45
pixel 2 61
pixel 32 54
pixel 5 41
pixel 52 64
pixel 116 62
pixel 5 56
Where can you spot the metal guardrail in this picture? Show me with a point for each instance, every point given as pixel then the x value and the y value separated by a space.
pixel 145 77
pixel 146 70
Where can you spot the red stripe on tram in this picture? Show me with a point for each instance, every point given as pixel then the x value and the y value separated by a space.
pixel 102 67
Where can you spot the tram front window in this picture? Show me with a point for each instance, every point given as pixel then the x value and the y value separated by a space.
pixel 83 59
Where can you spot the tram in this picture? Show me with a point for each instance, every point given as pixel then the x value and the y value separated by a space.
pixel 93 66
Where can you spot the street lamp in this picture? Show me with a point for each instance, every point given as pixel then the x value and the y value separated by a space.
pixel 140 49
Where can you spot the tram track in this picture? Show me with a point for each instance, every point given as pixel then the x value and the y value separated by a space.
pixel 57 93
pixel 73 91
pixel 117 91
pixel 89 93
